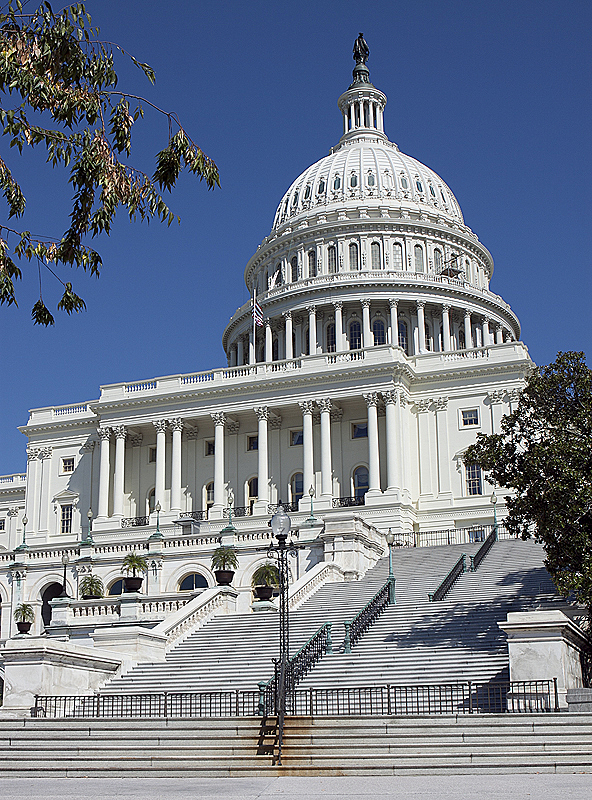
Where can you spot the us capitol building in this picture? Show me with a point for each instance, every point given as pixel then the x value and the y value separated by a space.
pixel 381 353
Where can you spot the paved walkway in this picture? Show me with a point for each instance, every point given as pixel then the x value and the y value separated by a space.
pixel 449 787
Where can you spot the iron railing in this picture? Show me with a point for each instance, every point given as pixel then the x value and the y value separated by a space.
pixel 450 579
pixel 161 704
pixel 483 550
pixel 515 697
pixel 198 516
pixel 238 511
pixel 365 618
pixel 288 507
pixel 475 533
pixel 347 502
pixel 135 522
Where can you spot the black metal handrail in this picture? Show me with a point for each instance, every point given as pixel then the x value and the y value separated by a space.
pixel 468 535
pixel 358 626
pixel 198 516
pixel 135 522
pixel 238 511
pixel 449 581
pixel 483 550
pixel 347 502
pixel 453 698
pixel 273 507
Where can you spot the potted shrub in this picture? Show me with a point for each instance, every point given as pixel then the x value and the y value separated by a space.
pixel 133 563
pixel 24 615
pixel 265 579
pixel 91 587
pixel 224 563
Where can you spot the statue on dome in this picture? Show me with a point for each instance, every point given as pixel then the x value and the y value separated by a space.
pixel 361 51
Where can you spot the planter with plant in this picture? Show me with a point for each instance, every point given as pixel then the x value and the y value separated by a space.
pixel 133 563
pixel 224 564
pixel 24 616
pixel 91 587
pixel 265 580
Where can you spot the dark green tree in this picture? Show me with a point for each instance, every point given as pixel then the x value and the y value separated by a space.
pixel 58 90
pixel 544 454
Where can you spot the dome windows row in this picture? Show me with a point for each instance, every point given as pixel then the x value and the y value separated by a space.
pixel 356 255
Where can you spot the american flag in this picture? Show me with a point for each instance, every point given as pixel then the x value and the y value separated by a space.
pixel 257 312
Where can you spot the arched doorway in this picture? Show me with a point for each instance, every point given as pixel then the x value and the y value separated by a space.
pixel 49 593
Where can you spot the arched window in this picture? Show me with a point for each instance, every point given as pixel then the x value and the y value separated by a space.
pixel 312 264
pixel 336 183
pixel 353 256
pixel 192 582
pixel 428 341
pixel 404 183
pixel 353 181
pixel 403 337
pixel 49 593
pixel 210 495
pixel 307 342
pixel 437 260
pixel 418 258
pixel 321 187
pixel 307 192
pixel 355 335
pixel 253 487
pixel 468 270
pixel 275 350
pixel 332 258
pixel 331 338
pixel 360 482
pixel 419 185
pixel 280 279
pixel 461 339
pixel 295 200
pixel 294 267
pixel 375 255
pixel 473 478
pixel 432 192
pixel 397 256
pixel 116 588
pixel 371 180
pixel 296 486
pixel 151 500
pixel 379 332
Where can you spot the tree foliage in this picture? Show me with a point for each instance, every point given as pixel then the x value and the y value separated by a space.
pixel 544 454
pixel 58 88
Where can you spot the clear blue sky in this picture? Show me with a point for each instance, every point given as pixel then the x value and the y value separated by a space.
pixel 495 97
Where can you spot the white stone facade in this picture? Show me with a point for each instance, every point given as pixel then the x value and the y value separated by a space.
pixel 382 353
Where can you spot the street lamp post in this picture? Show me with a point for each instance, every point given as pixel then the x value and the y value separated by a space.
pixel 65 562
pixel 494 504
pixel 230 527
pixel 311 520
pixel 23 545
pixel 390 539
pixel 89 516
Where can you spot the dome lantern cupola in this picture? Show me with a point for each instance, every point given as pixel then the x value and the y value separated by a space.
pixel 362 105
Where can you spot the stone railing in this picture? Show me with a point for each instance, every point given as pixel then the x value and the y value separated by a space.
pixel 130 608
pixel 210 603
pixel 307 585
pixel 8 479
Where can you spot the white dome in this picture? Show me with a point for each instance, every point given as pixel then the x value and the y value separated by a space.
pixel 371 169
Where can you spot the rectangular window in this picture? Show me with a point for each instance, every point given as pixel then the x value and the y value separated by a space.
pixel 152 455
pixel 296 438
pixel 209 447
pixel 2 524
pixel 252 443
pixel 359 430
pixel 68 464
pixel 470 417
pixel 66 519
pixel 474 484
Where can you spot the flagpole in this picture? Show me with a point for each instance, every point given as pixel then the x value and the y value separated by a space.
pixel 254 326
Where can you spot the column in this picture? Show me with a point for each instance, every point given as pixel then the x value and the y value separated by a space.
pixel 119 473
pixel 326 470
pixel 262 459
pixel 289 339
pixel 32 489
pixel 496 400
pixel 268 341
pixel 486 335
pixel 442 444
pixel 219 418
pixel 307 445
pixel 499 335
pixel 421 326
pixel 161 426
pixel 232 356
pixel 177 428
pixel 373 452
pixel 392 463
pixel 312 330
pixel 468 331
pixel 46 489
pixel 367 338
pixel 104 437
pixel 394 304
pixel 299 338
pixel 338 306
pixel 446 328
pixel 425 449
pixel 371 114
pixel 240 356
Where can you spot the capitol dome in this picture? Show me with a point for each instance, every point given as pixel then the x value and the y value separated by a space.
pixel 368 247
